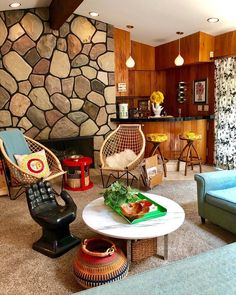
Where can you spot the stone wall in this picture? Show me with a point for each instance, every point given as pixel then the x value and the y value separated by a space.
pixel 53 83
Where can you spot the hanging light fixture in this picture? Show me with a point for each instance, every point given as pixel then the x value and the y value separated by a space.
pixel 130 63
pixel 179 61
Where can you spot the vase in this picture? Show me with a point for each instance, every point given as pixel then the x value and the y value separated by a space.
pixel 99 261
pixel 157 109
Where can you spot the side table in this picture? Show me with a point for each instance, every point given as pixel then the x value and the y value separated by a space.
pixel 77 177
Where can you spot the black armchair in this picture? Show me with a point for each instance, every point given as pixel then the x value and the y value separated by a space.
pixel 54 218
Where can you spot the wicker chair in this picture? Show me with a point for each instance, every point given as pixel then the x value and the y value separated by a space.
pixel 125 136
pixel 16 177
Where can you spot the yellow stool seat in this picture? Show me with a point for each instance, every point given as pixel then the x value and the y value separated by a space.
pixel 156 139
pixel 189 153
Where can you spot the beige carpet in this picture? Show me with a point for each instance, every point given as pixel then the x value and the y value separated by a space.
pixel 25 271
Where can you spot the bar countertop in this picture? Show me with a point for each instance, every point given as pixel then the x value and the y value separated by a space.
pixel 164 118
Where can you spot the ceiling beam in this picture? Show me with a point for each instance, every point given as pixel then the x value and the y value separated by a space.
pixel 60 10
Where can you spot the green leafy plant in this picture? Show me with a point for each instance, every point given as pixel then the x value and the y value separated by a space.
pixel 117 194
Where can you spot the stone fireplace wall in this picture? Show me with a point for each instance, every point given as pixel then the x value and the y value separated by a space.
pixel 56 84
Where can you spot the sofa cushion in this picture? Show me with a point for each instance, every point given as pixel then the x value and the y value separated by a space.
pixel 224 198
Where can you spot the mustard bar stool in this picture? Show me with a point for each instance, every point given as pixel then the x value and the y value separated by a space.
pixel 156 139
pixel 189 153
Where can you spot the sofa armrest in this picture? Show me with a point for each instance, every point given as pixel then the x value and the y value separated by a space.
pixel 213 181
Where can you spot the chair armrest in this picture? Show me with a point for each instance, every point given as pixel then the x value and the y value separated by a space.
pixel 215 180
pixel 67 199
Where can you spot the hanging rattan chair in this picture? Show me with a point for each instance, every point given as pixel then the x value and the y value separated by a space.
pixel 125 136
pixel 16 177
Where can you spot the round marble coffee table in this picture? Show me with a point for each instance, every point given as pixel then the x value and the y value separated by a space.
pixel 103 220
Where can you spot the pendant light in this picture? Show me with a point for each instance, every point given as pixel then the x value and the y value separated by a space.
pixel 179 61
pixel 130 63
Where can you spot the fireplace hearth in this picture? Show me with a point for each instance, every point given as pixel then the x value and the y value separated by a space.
pixel 69 146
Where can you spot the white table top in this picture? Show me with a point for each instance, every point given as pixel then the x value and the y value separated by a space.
pixel 103 220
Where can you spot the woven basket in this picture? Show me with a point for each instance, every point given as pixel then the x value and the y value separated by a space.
pixel 142 249
pixel 99 262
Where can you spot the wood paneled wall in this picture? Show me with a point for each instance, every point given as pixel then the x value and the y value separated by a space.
pixel 144 56
pixel 225 44
pixel 122 51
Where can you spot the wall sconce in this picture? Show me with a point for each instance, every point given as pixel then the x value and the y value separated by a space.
pixel 179 61
pixel 130 63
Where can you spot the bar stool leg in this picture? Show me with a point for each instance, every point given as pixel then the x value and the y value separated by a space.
pixel 162 160
pixel 187 158
pixel 200 164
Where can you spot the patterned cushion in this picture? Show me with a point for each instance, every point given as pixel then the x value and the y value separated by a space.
pixel 191 135
pixel 156 137
pixel 35 163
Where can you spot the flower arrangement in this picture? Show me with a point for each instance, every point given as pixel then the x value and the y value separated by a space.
pixel 157 97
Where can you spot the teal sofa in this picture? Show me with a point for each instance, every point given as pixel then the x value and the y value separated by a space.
pixel 209 273
pixel 216 194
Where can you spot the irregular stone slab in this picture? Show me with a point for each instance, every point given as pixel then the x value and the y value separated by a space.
pixel 6 47
pixel 82 86
pixel 24 87
pixel 43 13
pixel 78 117
pixel 3 31
pixel 32 57
pixel 36 117
pixel 25 124
pixel 80 60
pixel 97 86
pixel 103 77
pixel 64 128
pixel 15 32
pixel 76 104
pixel 32 132
pixel 96 98
pixel 89 72
pixel 61 44
pixel 47 29
pixel 70 18
pixel 13 16
pixel 111 108
pixel 102 117
pixel 97 50
pixel 101 26
pixel 88 128
pixel 107 62
pixel 75 72
pixel 23 45
pixel 98 141
pixel 94 64
pixel 110 30
pixel 37 80
pixel 40 98
pixel 83 29
pixel 19 104
pixel 99 37
pixel 46 45
pixel 15 121
pixel 5 119
pixel 42 67
pixel 4 97
pixel 61 102
pixel 44 134
pixel 110 94
pixel 16 65
pixel 60 65
pixel 52 84
pixel 64 30
pixel 91 109
pixel 32 25
pixel 67 86
pixel 74 46
pixel 103 130
pixel 110 44
pixel 7 82
pixel 111 78
pixel 53 116
pixel 86 48
pixel 111 124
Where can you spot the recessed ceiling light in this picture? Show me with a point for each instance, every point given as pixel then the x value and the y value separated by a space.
pixel 14 4
pixel 129 26
pixel 213 20
pixel 93 13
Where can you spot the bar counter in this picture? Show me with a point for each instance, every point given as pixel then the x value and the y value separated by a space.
pixel 173 127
